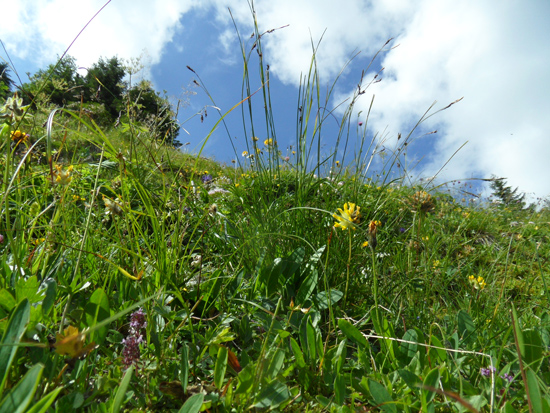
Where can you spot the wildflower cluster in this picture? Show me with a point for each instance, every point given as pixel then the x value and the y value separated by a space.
pixel 131 352
pixel 18 136
pixel 63 177
pixel 486 372
pixel 112 207
pixel 478 283
pixel 422 202
pixel 347 217
pixel 207 179
pixel 13 109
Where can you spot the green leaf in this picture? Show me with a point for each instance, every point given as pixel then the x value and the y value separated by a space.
pixel 221 366
pixel 309 278
pixel 352 333
pixel 97 310
pixel 310 343
pixel 49 298
pixel 532 352
pixel 14 331
pixel 272 276
pixel 381 397
pixel 295 260
pixel 340 356
pixel 534 391
pixel 430 384
pixel 121 391
pixel 385 329
pixel 508 408
pixel 339 389
pixel 272 395
pixel 45 402
pixel 6 300
pixel 408 350
pixel 222 336
pixel 19 397
pixel 466 325
pixel 298 355
pixel 322 299
pixel 275 364
pixel 440 354
pixel 246 379
pixel 307 286
pixel 193 404
pixel 411 379
pixel 28 289
pixel 184 367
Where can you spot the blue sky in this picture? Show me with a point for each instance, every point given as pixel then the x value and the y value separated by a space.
pixel 493 55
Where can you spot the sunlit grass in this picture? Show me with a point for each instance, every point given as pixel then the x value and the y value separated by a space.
pixel 286 281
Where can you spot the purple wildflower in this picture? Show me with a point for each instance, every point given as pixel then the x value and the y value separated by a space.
pixel 508 376
pixel 137 321
pixel 487 371
pixel 401 230
pixel 131 352
pixel 1 239
pixel 206 179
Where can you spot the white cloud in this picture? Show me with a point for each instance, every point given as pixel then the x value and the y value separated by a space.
pixel 41 30
pixel 448 52
pixel 493 55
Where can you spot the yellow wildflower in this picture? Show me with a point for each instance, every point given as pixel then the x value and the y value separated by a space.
pixel 63 177
pixel 255 139
pixel 71 343
pixel 268 142
pixel 478 283
pixel 245 154
pixel 365 244
pixel 347 217
pixel 18 136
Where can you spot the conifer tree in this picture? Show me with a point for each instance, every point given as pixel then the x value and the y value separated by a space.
pixel 507 196
pixel 6 82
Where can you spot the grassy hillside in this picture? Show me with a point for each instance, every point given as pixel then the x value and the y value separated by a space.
pixel 139 278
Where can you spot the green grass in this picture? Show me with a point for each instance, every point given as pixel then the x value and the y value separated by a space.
pixel 252 299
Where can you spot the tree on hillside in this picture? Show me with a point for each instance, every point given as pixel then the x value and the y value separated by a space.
pixel 105 84
pixel 506 195
pixel 6 82
pixel 59 84
pixel 155 111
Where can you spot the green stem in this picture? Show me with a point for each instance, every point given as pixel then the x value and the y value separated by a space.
pixel 374 284
pixel 347 270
